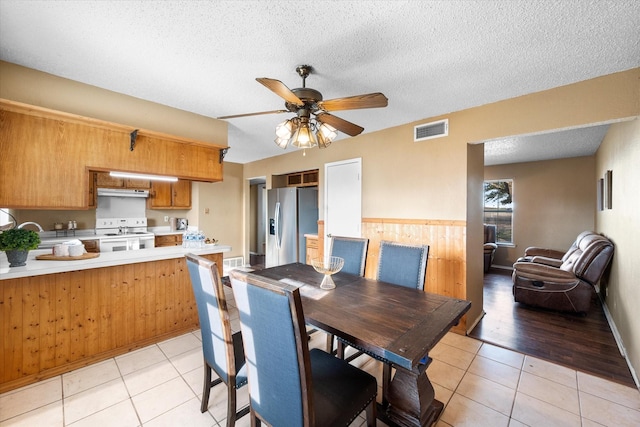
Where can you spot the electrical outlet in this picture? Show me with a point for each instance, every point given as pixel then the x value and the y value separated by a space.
pixel 166 218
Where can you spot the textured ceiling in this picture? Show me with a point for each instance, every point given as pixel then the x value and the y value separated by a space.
pixel 428 57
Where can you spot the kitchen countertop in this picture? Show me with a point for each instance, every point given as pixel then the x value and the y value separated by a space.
pixel 36 267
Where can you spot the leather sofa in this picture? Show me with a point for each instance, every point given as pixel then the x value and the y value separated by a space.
pixel 569 284
pixel 551 256
pixel 490 245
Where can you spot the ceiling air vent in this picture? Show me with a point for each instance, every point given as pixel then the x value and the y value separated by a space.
pixel 431 130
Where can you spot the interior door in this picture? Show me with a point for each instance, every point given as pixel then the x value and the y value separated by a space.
pixel 342 200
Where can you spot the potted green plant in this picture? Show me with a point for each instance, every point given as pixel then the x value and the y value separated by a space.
pixel 17 242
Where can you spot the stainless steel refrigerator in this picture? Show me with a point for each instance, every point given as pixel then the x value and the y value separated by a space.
pixel 291 213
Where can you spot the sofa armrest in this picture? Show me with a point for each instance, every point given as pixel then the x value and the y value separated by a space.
pixel 490 247
pixel 543 273
pixel 532 251
pixel 553 262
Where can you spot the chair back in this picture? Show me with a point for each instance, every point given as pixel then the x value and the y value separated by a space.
pixel 276 349
pixel 215 325
pixel 354 252
pixel 590 258
pixel 490 233
pixel 402 264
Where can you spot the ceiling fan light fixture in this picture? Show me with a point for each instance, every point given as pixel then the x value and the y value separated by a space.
pixel 326 134
pixel 285 129
pixel 282 142
pixel 304 136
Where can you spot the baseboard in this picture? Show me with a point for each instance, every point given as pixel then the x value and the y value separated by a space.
pixel 502 267
pixel 618 338
pixel 475 323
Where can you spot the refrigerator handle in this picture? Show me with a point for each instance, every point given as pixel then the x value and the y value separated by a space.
pixel 277 217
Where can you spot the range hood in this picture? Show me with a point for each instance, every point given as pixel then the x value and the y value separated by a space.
pixel 121 192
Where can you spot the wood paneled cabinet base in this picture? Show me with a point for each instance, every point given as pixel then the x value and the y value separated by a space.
pixel 168 240
pixel 56 323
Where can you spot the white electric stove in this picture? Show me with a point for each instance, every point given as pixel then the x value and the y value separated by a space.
pixel 123 234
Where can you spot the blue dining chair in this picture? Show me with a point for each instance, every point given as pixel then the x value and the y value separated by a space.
pixel 403 264
pixel 290 385
pixel 223 350
pixel 354 252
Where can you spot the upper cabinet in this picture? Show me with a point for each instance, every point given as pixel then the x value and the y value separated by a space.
pixel 48 156
pixel 104 180
pixel 303 179
pixel 170 195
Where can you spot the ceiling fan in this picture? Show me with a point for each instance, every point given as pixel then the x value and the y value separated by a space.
pixel 305 130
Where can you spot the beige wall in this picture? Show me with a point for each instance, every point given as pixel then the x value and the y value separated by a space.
pixel 224 201
pixel 554 201
pixel 620 153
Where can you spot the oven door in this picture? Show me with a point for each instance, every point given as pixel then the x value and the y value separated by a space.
pixel 114 244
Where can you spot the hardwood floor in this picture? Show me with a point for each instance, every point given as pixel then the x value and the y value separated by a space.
pixel 581 342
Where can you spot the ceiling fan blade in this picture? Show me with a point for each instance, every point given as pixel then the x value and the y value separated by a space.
pixel 234 116
pixel 369 100
pixel 281 90
pixel 342 125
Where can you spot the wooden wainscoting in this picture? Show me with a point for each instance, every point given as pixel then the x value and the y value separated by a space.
pixel 55 323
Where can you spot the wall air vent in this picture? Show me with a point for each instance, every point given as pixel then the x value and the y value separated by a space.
pixel 431 130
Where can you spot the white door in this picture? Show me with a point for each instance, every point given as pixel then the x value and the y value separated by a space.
pixel 342 200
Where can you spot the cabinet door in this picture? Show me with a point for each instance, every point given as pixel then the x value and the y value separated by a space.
pixel 168 240
pixel 181 194
pixel 160 195
pixel 91 245
pixel 137 183
pixel 103 179
pixel 91 202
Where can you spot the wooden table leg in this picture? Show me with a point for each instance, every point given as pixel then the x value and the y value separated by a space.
pixel 412 399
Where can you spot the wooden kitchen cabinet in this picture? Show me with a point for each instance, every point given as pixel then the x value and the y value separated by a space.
pixel 92 201
pixel 312 247
pixel 91 246
pixel 168 240
pixel 303 179
pixel 170 195
pixel 104 180
pixel 61 148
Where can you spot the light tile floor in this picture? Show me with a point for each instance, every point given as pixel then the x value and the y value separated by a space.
pixel 480 385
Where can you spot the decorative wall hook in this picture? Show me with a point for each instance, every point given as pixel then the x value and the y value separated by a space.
pixel 134 136
pixel 223 152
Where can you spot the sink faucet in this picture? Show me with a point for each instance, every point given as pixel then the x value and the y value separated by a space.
pixel 30 223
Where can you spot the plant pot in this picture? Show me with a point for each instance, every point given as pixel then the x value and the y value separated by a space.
pixel 17 258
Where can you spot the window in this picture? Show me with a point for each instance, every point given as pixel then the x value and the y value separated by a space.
pixel 498 208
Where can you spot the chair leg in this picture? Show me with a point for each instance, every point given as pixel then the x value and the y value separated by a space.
pixel 255 421
pixel 206 389
pixel 231 406
pixel 371 414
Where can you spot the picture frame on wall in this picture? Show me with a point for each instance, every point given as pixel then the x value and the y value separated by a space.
pixel 608 190
pixel 600 194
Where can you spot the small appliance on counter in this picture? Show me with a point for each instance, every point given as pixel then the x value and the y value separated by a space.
pixel 182 224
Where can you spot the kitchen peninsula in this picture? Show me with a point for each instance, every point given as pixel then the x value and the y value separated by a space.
pixel 62 315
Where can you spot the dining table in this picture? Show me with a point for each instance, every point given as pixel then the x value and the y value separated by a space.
pixel 394 324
